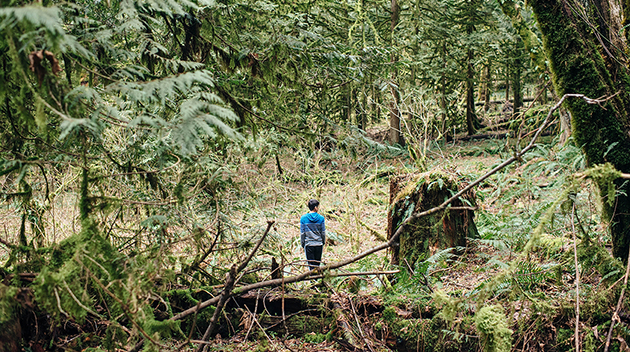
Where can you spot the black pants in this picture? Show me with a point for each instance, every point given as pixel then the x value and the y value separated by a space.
pixel 313 256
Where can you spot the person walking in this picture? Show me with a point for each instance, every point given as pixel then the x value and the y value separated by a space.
pixel 313 234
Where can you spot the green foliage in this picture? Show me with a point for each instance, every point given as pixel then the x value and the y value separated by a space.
pixel 450 306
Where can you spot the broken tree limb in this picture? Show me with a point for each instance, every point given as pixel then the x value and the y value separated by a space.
pixel 225 294
pixel 358 273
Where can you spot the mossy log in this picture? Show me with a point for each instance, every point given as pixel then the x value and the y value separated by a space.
pixel 424 236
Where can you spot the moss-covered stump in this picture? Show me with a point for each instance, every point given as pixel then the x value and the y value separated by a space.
pixel 422 237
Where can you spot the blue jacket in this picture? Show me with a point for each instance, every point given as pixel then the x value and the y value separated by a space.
pixel 312 230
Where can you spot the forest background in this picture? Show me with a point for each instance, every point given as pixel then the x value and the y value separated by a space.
pixel 156 157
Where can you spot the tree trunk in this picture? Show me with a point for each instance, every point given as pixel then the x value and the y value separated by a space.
pixel 425 236
pixel 517 89
pixel 363 110
pixel 443 107
pixel 347 108
pixel 530 39
pixel 484 91
pixel 471 117
pixel 395 136
pixel 507 82
pixel 581 64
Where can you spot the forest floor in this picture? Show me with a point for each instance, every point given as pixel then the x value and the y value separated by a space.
pixel 354 196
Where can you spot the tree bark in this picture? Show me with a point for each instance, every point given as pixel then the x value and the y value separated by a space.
pixel 517 69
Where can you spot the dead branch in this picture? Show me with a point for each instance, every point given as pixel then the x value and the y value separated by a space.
pixel 9 245
pixel 225 294
pixel 357 273
pixel 577 284
pixel 615 317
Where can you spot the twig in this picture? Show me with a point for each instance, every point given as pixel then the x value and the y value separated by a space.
pixel 577 283
pixel 138 202
pixel 59 303
pixel 260 326
pixel 155 171
pixel 192 329
pixel 255 310
pixel 356 319
pixel 9 245
pixel 284 320
pixel 615 316
pixel 357 273
pixel 79 302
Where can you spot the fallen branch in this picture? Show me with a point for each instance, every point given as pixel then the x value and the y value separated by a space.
pixel 225 294
pixel 357 273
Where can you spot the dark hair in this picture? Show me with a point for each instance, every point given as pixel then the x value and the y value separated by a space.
pixel 312 204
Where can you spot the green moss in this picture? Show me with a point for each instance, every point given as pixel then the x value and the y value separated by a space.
pixel 493 329
pixel 306 324
pixel 7 303
pixel 315 338
pixel 447 229
pixel 565 339
pixel 597 257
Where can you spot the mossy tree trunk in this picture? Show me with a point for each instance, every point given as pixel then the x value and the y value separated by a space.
pixel 582 63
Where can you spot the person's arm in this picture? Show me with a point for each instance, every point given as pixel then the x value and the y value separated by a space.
pixel 302 237
pixel 324 232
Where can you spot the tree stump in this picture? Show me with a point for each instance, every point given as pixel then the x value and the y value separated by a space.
pixel 423 237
